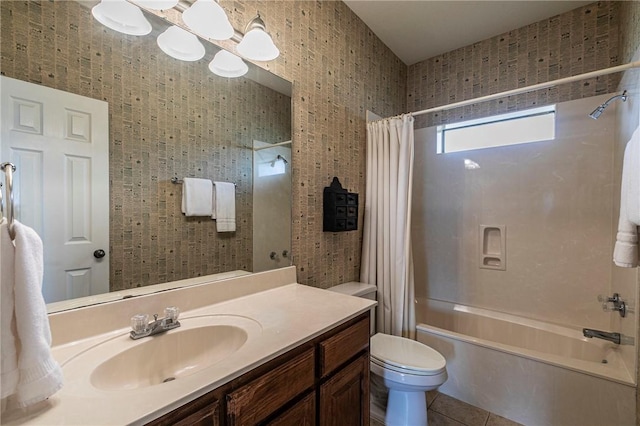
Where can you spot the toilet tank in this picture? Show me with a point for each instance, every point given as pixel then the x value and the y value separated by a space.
pixel 367 291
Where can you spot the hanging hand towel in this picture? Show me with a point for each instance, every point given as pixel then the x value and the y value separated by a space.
pixel 9 354
pixel 29 337
pixel 224 206
pixel 625 253
pixel 196 197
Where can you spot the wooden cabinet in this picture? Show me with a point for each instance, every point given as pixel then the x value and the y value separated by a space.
pixel 321 382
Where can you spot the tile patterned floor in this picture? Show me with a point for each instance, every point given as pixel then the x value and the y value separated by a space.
pixel 443 410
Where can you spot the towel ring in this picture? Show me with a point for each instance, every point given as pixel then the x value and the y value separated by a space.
pixel 8 169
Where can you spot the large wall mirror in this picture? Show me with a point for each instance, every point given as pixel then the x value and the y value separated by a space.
pixel 165 119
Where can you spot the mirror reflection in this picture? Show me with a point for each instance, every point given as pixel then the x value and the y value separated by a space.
pixel 151 118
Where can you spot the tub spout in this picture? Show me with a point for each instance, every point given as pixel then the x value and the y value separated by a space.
pixel 612 337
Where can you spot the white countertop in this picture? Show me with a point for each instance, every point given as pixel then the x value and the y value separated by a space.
pixel 287 316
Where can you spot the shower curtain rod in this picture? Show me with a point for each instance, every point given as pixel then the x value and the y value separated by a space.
pixel 272 145
pixel 531 88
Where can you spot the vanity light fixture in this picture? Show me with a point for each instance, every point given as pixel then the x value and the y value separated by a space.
pixel 121 16
pixel 226 64
pixel 157 4
pixel 256 44
pixel 208 18
pixel 181 44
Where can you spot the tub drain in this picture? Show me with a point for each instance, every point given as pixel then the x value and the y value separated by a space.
pixel 604 361
pixel 168 379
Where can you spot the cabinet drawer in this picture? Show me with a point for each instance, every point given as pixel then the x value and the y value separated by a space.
pixel 303 413
pixel 262 397
pixel 202 412
pixel 340 347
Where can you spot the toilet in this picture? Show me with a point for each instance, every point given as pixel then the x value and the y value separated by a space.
pixel 408 368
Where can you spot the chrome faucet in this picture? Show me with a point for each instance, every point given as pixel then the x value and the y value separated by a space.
pixel 618 304
pixel 612 337
pixel 141 327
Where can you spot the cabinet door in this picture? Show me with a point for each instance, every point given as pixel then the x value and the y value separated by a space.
pixel 344 398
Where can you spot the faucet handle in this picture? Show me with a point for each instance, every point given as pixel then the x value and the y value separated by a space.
pixel 171 313
pixel 139 323
pixel 604 299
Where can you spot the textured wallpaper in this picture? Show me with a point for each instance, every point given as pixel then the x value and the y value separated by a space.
pixel 339 69
pixel 167 118
pixel 629 30
pixel 582 40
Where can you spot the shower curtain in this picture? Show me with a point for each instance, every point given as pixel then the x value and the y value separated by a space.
pixel 386 246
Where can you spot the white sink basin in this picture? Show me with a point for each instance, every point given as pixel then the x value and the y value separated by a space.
pixel 201 342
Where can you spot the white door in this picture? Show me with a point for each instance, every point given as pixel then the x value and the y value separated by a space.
pixel 59 143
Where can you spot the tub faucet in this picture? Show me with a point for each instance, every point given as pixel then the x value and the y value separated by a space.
pixel 612 337
pixel 141 327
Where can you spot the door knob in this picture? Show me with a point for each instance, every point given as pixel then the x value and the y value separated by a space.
pixel 99 254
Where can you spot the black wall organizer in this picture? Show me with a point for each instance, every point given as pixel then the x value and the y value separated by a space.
pixel 340 209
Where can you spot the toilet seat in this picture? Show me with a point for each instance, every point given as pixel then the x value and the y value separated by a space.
pixel 406 356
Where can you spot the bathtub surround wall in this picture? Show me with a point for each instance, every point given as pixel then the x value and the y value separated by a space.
pixel 555 200
pixel 579 41
pixel 626 281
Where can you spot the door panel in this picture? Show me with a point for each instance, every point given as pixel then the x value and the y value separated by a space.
pixel 59 143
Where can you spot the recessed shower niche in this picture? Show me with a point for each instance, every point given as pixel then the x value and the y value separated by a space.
pixel 492 247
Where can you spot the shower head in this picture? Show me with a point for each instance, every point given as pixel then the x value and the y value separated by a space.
pixel 280 157
pixel 598 111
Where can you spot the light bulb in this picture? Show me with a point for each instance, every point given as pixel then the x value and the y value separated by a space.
pixel 208 18
pixel 121 16
pixel 226 64
pixel 181 44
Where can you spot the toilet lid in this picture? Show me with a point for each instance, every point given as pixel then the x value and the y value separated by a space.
pixel 406 353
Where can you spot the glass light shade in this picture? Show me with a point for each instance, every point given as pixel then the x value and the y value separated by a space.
pixel 121 16
pixel 227 64
pixel 180 44
pixel 257 45
pixel 208 18
pixel 157 4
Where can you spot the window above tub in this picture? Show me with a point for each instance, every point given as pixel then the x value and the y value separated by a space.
pixel 532 125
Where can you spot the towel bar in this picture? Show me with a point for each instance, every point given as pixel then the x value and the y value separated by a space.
pixel 177 181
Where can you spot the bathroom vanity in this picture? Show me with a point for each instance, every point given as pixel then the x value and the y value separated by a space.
pixel 324 381
pixel 252 349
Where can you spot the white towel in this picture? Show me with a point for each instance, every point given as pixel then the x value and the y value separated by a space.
pixel 9 355
pixel 31 372
pixel 197 197
pixel 625 252
pixel 224 206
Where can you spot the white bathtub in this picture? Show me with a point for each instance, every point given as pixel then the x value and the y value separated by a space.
pixel 529 371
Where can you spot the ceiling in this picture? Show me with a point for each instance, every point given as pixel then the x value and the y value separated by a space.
pixel 420 29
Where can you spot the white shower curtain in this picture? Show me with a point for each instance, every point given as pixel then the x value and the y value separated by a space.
pixel 386 246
